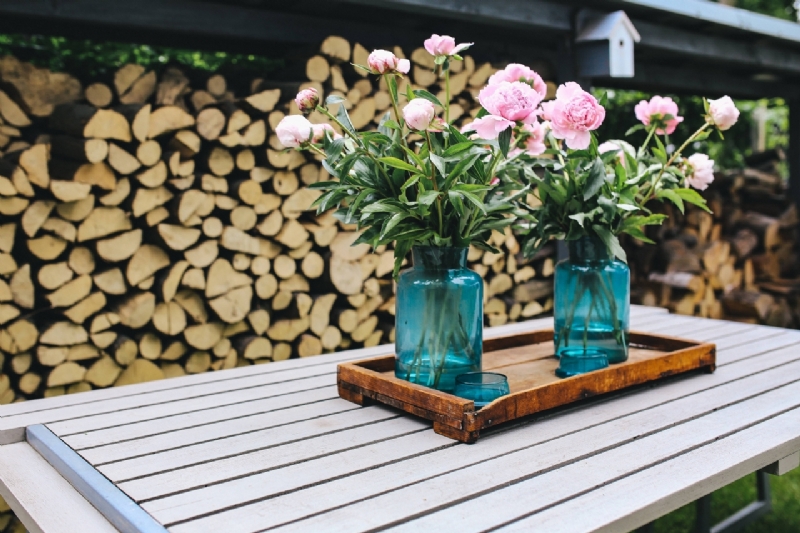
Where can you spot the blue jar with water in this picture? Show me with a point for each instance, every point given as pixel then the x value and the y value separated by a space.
pixel 591 308
pixel 439 318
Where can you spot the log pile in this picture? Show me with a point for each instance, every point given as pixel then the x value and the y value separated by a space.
pixel 151 226
pixel 740 263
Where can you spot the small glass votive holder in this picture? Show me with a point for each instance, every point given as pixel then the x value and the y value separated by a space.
pixel 481 387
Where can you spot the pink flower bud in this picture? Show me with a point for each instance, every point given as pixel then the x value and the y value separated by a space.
pixel 418 114
pixel 495 181
pixel 294 131
pixel 444 45
pixel 307 100
pixel 656 111
pixel 723 113
pixel 573 114
pixel 699 171
pixel 319 131
pixel 383 61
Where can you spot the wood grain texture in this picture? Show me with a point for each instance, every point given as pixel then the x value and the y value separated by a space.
pixel 41 498
pixel 592 428
pixel 526 359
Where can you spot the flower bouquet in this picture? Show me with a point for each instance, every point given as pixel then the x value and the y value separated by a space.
pixel 588 194
pixel 422 184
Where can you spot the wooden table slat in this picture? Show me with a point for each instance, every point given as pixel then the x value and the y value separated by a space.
pixel 42 499
pixel 639 406
pixel 534 485
pixel 656 491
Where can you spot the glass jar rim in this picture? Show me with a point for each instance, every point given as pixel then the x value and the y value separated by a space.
pixel 478 379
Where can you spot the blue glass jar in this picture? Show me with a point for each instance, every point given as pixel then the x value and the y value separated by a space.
pixel 439 318
pixel 592 308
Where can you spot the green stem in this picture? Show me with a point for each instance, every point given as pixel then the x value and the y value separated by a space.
pixel 395 104
pixel 364 148
pixel 647 141
pixel 435 185
pixel 671 160
pixel 447 95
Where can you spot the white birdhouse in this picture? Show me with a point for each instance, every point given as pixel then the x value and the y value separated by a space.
pixel 605 46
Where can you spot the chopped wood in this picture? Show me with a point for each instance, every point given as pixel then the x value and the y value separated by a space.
pixel 35 216
pixel 69 191
pixel 168 118
pixel 72 292
pixel 120 247
pixel 210 123
pixel 122 161
pixel 81 260
pixel 103 221
pixel 98 94
pixel 140 371
pixel 111 281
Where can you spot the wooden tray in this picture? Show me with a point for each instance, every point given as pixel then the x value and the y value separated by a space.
pixel 527 359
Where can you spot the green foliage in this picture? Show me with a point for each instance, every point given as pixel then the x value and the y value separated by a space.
pixel 82 57
pixel 588 193
pixel 781 9
pixel 728 152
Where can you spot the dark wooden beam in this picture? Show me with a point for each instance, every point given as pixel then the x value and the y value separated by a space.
pixel 696 47
pixel 698 80
pixel 527 14
pixel 793 154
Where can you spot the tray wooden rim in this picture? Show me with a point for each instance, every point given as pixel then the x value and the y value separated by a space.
pixel 363 382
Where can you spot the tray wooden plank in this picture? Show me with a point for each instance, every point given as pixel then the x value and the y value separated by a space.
pixel 527 359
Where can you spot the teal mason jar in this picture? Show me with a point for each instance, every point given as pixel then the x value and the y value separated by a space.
pixel 592 308
pixel 439 318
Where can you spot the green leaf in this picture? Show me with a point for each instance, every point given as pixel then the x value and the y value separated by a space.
pixel 334 99
pixel 595 180
pixel 634 129
pixel 693 197
pixel 399 163
pixel 672 196
pixel 393 222
pixel 421 93
pixel 439 163
pixel 344 118
pixel 504 141
pixel 649 220
pixel 458 148
pixel 458 204
pixel 611 241
pixel 401 249
pixel 428 197
pixel 474 200
pixel 637 233
pixel 334 149
pixel 579 217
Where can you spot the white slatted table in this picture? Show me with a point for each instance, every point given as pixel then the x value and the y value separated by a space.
pixel 272 448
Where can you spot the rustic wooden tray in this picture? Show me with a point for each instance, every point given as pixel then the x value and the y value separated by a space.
pixel 527 359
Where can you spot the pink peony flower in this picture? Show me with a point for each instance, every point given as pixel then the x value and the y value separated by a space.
pixel 723 113
pixel 573 114
pixel 656 110
pixel 488 127
pixel 307 100
pixel 700 171
pixel 609 146
pixel 383 61
pixel 319 131
pixel 444 45
pixel 517 72
pixel 534 144
pixel 294 130
pixel 418 114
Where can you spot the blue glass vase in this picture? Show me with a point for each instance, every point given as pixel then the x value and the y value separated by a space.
pixel 592 308
pixel 439 318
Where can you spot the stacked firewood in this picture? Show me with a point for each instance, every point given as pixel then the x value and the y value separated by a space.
pixel 739 263
pixel 151 225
